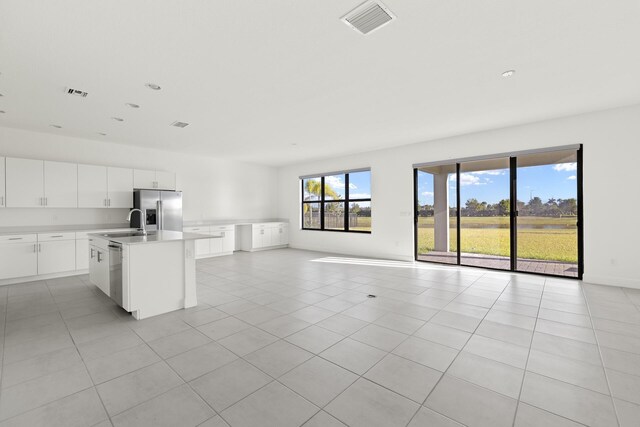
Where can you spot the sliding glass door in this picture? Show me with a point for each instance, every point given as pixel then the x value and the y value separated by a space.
pixel 485 214
pixel 547 221
pixel 437 214
pixel 519 213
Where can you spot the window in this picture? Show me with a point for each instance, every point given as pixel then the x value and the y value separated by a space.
pixel 337 202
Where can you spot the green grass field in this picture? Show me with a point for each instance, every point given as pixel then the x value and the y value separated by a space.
pixel 553 244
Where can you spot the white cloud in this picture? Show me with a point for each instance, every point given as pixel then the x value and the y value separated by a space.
pixel 333 181
pixel 471 178
pixel 359 196
pixel 565 167
pixel 428 193
pixel 496 172
pixel 572 177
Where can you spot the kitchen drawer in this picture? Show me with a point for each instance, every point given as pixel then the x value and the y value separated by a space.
pixel 18 238
pixel 200 229
pixel 50 237
pixel 215 228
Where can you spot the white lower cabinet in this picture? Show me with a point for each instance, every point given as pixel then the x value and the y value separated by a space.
pixel 82 254
pixel 223 244
pixel 56 253
pixel 263 236
pixel 18 255
pixel 99 268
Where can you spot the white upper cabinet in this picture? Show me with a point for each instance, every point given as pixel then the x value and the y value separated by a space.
pixel 165 180
pixel 144 179
pixel 159 180
pixel 120 187
pixel 25 183
pixel 92 186
pixel 60 185
pixel 3 199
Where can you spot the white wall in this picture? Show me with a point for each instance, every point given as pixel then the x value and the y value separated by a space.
pixel 212 188
pixel 611 189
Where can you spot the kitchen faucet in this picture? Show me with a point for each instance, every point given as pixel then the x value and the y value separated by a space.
pixel 142 219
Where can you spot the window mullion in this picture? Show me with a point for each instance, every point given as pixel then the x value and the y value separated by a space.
pixel 322 203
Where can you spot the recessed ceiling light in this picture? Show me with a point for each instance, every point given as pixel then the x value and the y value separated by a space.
pixel 118 119
pixel 508 73
pixel 153 86
pixel 294 144
pixel 102 134
pixel 180 124
pixel 129 104
pixel 56 126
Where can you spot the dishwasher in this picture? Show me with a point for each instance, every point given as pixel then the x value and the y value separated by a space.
pixel 115 272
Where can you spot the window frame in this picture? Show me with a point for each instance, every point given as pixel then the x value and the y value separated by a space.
pixel 322 201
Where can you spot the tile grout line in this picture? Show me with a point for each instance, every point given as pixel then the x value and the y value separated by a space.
pixel 595 335
pixel 526 364
pixel 466 342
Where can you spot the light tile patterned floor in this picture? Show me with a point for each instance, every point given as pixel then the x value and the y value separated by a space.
pixel 289 338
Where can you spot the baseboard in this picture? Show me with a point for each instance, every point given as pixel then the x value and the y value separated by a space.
pixel 611 281
pixel 26 279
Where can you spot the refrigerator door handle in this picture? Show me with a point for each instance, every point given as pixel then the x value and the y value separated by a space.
pixel 159 213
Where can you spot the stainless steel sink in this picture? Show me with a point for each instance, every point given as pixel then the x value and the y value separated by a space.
pixel 128 234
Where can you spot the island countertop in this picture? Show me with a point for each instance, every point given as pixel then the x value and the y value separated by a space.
pixel 153 237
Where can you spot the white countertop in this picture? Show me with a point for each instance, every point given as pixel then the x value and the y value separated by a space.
pixel 31 229
pixel 233 222
pixel 154 237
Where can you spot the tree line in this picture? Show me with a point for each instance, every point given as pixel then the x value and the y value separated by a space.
pixel 534 207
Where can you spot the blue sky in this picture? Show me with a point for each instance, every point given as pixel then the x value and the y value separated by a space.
pixel 359 184
pixel 547 181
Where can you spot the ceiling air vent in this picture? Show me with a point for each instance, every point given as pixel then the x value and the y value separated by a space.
pixel 180 124
pixel 369 16
pixel 76 92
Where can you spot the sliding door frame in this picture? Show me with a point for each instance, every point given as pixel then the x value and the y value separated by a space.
pixel 513 210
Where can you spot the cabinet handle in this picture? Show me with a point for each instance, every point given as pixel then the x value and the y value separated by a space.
pixel 46 201
pixel 15 238
pixel 99 259
pixel 39 247
pixel 1 200
pixel 109 202
pixel 35 248
pixel 59 235
pixel 92 252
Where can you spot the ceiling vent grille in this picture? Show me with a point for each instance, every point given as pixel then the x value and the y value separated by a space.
pixel 76 92
pixel 180 124
pixel 369 16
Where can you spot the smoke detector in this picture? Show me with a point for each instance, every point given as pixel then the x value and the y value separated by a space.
pixel 179 124
pixel 368 17
pixel 76 92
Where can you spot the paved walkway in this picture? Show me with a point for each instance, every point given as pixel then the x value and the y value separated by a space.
pixel 494 261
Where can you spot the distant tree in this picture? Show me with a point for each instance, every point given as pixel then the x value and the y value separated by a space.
pixel 504 207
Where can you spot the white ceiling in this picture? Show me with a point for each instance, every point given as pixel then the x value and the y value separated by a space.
pixel 254 77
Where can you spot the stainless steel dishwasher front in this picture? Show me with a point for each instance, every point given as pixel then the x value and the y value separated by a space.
pixel 115 272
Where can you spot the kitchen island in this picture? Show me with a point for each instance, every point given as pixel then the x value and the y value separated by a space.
pixel 146 274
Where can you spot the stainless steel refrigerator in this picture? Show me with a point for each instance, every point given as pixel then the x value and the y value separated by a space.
pixel 162 209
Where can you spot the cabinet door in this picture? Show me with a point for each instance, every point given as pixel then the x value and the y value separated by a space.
pixel 99 269
pixel 284 235
pixel 228 241
pixel 56 257
pixel 144 179
pixel 25 183
pixel 2 174
pixel 18 260
pixel 165 180
pixel 82 254
pixel 92 186
pixel 257 237
pixel 60 185
pixel 120 187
